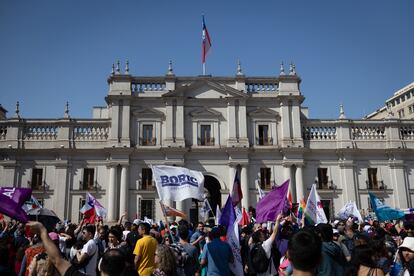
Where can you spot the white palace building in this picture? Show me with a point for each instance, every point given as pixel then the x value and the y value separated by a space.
pixel 213 125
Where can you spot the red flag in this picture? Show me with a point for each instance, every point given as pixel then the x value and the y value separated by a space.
pixel 236 193
pixel 245 217
pixel 206 42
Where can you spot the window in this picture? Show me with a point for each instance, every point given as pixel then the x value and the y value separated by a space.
pixel 397 101
pixel 410 109
pixel 205 136
pixel 265 182
pixel 322 178
pixel 372 178
pixel 263 138
pixel 146 179
pixel 88 179
pixel 147 138
pixel 401 113
pixel 37 179
pixel 146 208
pixel 408 96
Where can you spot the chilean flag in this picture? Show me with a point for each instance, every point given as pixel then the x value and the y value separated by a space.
pixel 206 42
pixel 92 209
pixel 236 193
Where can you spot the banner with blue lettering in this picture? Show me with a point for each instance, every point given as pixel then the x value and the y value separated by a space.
pixel 177 183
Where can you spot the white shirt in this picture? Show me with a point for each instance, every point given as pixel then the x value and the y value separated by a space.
pixel 91 249
pixel 267 246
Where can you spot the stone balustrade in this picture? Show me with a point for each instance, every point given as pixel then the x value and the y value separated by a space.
pixel 139 87
pixel 90 132
pixel 3 131
pixel 368 132
pixel 38 131
pixel 319 132
pixel 45 133
pixel 407 132
pixel 261 87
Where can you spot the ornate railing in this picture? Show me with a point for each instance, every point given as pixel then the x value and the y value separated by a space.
pixel 90 132
pixel 260 86
pixel 39 131
pixel 319 132
pixel 407 132
pixel 3 131
pixel 368 132
pixel 138 87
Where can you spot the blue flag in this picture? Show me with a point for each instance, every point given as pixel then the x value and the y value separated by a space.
pixel 228 216
pixel 383 211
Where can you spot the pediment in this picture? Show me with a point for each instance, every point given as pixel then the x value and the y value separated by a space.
pixel 206 89
pixel 205 113
pixel 263 112
pixel 148 113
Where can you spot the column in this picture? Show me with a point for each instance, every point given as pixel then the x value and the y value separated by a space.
pixel 60 185
pixel 115 123
pixel 287 172
pixel 232 173
pixel 231 120
pixel 111 194
pixel 169 121
pixel 125 123
pixel 285 123
pixel 399 184
pixel 245 187
pixel 348 182
pixel 299 183
pixel 123 195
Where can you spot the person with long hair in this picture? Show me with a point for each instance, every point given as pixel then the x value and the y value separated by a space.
pixel 406 256
pixel 165 262
pixel 363 262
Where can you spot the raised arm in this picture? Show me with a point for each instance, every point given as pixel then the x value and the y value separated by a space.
pixel 52 251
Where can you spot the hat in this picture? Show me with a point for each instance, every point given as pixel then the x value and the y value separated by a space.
pixel 408 243
pixel 335 231
pixel 53 236
pixel 136 221
pixel 336 222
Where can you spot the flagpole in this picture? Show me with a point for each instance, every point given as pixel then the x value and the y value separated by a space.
pixel 166 221
pixel 204 69
pixel 209 206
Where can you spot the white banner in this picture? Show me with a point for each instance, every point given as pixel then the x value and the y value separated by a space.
pixel 350 209
pixel 177 183
pixel 314 212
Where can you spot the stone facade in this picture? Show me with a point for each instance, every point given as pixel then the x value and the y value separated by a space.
pixel 210 124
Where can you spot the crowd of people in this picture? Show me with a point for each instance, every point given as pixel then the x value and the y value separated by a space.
pixel 343 247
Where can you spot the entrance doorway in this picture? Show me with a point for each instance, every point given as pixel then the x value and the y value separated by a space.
pixel 212 190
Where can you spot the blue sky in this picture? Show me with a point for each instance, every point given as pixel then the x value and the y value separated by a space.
pixel 352 52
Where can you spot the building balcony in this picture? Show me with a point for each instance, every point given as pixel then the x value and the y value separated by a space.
pixel 148 142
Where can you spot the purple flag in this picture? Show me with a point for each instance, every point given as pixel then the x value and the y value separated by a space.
pixel 272 204
pixel 12 200
pixel 228 216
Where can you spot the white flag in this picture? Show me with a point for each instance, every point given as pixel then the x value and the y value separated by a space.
pixel 205 209
pixel 218 214
pixel 233 240
pixel 314 213
pixel 350 210
pixel 259 190
pixel 177 183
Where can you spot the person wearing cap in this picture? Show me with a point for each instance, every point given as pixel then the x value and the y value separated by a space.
pixel 344 249
pixel 406 255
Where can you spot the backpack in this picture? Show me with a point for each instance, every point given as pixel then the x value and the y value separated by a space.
pixel 260 262
pixel 181 256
